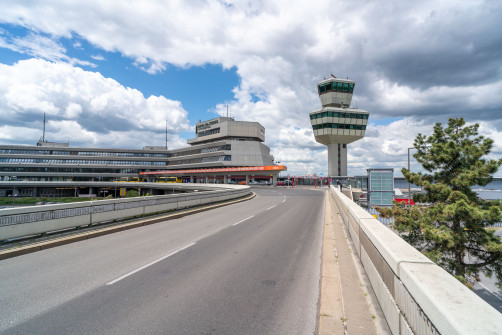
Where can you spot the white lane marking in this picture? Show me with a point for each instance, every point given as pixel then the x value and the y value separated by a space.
pixel 486 288
pixel 235 224
pixel 149 264
pixel 284 200
pixel 271 207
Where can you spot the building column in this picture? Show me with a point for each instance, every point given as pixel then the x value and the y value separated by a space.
pixel 337 159
pixel 274 180
pixel 225 179
pixel 191 179
pixel 247 179
pixel 343 160
pixel 207 180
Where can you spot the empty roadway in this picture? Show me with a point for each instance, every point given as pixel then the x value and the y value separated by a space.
pixel 247 268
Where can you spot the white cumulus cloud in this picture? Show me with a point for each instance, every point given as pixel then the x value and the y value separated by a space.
pixel 414 61
pixel 84 106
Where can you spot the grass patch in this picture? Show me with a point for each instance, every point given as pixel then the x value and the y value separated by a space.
pixel 32 200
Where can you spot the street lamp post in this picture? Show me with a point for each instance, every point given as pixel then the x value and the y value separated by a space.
pixel 409 185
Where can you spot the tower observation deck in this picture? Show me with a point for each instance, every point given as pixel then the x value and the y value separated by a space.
pixel 336 124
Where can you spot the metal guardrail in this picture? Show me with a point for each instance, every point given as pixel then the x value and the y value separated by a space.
pixel 24 221
pixel 416 295
pixel 373 212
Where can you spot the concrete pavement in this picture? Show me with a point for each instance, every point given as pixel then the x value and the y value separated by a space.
pixel 347 303
pixel 249 268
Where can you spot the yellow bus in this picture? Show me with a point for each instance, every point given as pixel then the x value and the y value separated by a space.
pixel 129 180
pixel 168 180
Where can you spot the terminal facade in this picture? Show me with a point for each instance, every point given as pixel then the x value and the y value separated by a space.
pixel 336 124
pixel 219 143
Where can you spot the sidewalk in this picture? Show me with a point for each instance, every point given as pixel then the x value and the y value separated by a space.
pixel 345 306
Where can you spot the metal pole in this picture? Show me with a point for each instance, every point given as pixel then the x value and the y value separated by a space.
pixel 409 186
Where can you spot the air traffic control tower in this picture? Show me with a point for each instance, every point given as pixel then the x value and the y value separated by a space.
pixel 336 124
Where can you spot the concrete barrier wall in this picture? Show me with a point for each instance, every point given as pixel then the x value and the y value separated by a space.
pixel 25 221
pixel 416 295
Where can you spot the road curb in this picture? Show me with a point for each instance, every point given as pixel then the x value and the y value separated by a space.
pixel 331 312
pixel 344 306
pixel 38 246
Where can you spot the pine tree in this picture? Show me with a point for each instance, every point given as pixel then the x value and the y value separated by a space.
pixel 448 224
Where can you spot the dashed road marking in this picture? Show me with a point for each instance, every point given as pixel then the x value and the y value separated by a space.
pixel 235 224
pixel 149 264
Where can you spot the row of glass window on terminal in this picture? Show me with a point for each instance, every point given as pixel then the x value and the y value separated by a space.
pixel 339 114
pixel 339 126
pixel 81 153
pixel 336 87
pixel 36 169
pixel 75 161
pixel 208 132
pixel 204 160
pixel 201 151
pixel 115 154
pixel 92 162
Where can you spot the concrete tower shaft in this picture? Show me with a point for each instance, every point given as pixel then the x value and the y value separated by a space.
pixel 336 124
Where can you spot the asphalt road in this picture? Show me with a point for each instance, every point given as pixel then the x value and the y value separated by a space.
pixel 248 268
pixel 487 288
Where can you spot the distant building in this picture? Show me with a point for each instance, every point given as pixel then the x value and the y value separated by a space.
pixel 219 143
pixel 380 187
pixel 336 124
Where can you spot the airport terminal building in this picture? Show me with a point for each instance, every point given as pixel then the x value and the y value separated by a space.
pixel 221 143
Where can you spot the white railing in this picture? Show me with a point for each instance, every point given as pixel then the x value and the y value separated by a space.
pixel 416 295
pixel 25 221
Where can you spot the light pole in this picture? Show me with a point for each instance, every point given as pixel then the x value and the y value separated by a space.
pixel 409 185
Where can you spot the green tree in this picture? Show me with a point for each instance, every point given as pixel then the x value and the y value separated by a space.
pixel 449 222
pixel 131 193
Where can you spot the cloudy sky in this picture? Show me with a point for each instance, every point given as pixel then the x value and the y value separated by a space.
pixel 110 75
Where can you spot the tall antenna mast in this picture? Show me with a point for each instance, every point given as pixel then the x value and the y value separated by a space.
pixel 227 110
pixel 43 134
pixel 166 134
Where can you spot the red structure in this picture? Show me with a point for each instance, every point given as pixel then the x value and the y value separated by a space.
pixel 405 201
